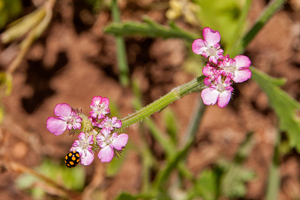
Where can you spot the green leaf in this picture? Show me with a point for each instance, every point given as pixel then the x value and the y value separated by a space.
pixel 9 9
pixel 235 175
pixel 284 105
pixel 148 29
pixel 220 15
pixel 233 181
pixel 23 25
pixel 207 186
pixel 6 83
pixel 72 178
pixel 126 196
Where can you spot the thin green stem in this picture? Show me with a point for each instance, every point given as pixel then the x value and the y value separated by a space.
pixel 194 122
pixel 238 33
pixel 193 86
pixel 193 126
pixel 121 51
pixel 160 137
pixel 272 8
pixel 274 174
pixel 146 155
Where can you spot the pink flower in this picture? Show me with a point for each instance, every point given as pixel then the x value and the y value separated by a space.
pixel 83 146
pixel 110 123
pixel 210 72
pixel 237 69
pixel 66 119
pixel 209 47
pixel 219 91
pixel 99 107
pixel 94 121
pixel 108 142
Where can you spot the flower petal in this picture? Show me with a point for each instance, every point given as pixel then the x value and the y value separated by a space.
pixel 213 59
pixel 56 126
pixel 106 154
pixel 105 101
pixel 224 98
pixel 209 96
pixel 197 46
pixel 87 156
pixel 120 142
pixel 242 75
pixel 75 144
pixel 211 37
pixel 81 136
pixel 242 61
pixel 105 131
pixel 62 110
pixel 95 100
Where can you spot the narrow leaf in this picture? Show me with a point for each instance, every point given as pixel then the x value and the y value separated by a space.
pixel 148 29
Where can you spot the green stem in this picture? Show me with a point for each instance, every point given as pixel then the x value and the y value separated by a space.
pixel 193 126
pixel 242 24
pixel 260 22
pixel 274 174
pixel 121 52
pixel 193 86
pixel 194 122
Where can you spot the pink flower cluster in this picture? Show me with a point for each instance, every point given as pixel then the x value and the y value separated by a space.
pixel 96 131
pixel 220 71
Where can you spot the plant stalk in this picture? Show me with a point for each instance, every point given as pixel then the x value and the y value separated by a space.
pixel 195 85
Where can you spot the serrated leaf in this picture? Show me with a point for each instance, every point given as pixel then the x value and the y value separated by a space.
pixel 235 175
pixel 207 185
pixel 233 181
pixel 148 29
pixel 284 105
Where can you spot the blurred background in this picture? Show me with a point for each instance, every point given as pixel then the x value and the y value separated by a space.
pixel 74 60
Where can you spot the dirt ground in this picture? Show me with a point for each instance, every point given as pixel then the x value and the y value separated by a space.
pixel 74 61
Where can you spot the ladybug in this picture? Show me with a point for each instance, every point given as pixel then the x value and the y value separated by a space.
pixel 72 159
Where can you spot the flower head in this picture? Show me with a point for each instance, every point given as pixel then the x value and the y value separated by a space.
pixel 99 107
pixel 219 91
pixel 110 123
pixel 84 147
pixel 108 142
pixel 209 47
pixel 66 118
pixel 237 69
pixel 210 72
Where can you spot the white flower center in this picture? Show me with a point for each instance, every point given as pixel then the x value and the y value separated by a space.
pixel 212 51
pixel 100 107
pixel 71 120
pixel 84 144
pixel 221 87
pixel 108 140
